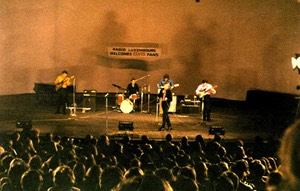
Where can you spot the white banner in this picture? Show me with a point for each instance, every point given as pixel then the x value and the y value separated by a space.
pixel 133 52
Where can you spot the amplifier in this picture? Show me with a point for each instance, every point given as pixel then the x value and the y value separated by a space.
pixel 126 125
pixel 89 99
pixel 216 130
pixel 88 93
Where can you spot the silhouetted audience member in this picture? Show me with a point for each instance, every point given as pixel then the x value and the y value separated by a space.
pixel 165 174
pixel 133 172
pixel 92 178
pixel 154 183
pixel 201 175
pixel 64 179
pixel 233 177
pixel 79 170
pixel 31 180
pixel 223 183
pixel 168 147
pixel 185 183
pixel 241 169
pixel 274 181
pixel 110 178
pixel 258 172
pixel 15 172
pixel 289 154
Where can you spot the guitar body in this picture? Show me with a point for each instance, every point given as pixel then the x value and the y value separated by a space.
pixel 203 93
pixel 59 85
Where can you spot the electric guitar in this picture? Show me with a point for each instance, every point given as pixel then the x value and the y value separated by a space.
pixel 60 84
pixel 203 93
pixel 171 87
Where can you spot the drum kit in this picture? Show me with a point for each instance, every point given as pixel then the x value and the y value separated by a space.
pixel 127 104
pixel 124 103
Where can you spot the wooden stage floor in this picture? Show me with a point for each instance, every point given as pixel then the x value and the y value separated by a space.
pixel 238 124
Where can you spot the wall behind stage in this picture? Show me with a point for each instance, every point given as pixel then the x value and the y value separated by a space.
pixel 235 44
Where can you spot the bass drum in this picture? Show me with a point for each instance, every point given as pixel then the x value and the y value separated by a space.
pixel 126 106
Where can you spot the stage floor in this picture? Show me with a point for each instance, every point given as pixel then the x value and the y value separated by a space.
pixel 238 123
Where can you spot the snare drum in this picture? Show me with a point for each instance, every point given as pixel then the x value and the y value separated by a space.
pixel 134 96
pixel 126 106
pixel 120 98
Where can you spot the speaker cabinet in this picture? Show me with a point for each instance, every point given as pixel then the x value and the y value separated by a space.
pixel 24 124
pixel 126 125
pixel 216 130
pixel 89 99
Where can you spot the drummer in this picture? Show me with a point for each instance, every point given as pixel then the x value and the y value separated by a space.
pixel 132 91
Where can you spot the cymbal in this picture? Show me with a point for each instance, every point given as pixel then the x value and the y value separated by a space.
pixel 116 86
pixel 119 87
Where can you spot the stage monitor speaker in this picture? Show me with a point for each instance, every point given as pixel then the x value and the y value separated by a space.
pixel 216 130
pixel 89 99
pixel 24 124
pixel 126 125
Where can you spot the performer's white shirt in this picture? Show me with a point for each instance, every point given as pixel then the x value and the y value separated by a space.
pixel 208 88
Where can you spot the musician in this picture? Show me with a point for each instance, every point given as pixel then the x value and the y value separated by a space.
pixel 166 78
pixel 204 91
pixel 132 91
pixel 62 82
pixel 165 95
pixel 132 88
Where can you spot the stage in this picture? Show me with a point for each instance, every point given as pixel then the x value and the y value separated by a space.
pixel 237 121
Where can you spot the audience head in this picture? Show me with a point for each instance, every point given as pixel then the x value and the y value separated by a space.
pixel 289 154
pixel 133 172
pixel 169 137
pixel 223 183
pixel 110 178
pixel 63 177
pixel 31 180
pixel 16 170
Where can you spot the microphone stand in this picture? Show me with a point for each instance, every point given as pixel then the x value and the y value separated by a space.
pixel 106 107
pixel 74 104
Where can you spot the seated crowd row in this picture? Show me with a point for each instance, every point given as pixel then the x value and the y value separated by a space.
pixel 30 162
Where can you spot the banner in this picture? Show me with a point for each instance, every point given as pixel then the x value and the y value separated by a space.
pixel 133 52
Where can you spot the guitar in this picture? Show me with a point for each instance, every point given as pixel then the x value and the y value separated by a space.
pixel 171 87
pixel 60 84
pixel 160 99
pixel 203 93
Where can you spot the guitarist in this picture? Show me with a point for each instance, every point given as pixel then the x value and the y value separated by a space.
pixel 62 82
pixel 165 95
pixel 165 79
pixel 204 91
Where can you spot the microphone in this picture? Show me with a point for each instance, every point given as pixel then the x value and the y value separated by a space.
pixel 106 95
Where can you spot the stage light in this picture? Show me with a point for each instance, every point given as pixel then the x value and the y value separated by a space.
pixel 296 62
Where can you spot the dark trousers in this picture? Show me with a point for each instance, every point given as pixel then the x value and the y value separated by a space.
pixel 62 100
pixel 206 107
pixel 166 120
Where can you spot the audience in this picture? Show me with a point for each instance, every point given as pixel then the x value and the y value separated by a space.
pixel 289 155
pixel 30 161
